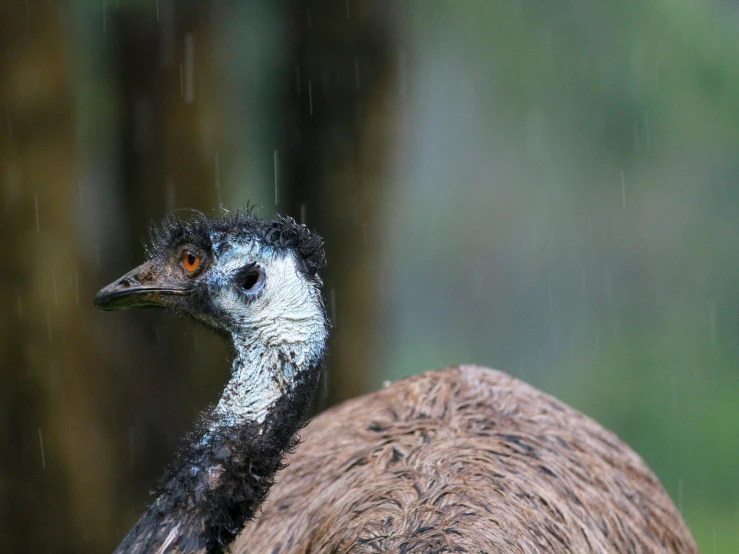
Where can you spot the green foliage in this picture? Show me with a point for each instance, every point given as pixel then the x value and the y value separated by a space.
pixel 612 129
pixel 675 402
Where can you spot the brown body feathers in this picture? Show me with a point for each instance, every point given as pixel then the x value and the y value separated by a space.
pixel 465 459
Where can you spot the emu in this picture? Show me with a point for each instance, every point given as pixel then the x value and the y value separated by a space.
pixel 464 459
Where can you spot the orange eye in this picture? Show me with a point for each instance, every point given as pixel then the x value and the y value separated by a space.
pixel 190 261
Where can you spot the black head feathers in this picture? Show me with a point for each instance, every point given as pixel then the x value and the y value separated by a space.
pixel 280 233
pixel 284 232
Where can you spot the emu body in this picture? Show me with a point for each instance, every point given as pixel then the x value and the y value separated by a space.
pixel 460 460
pixel 465 459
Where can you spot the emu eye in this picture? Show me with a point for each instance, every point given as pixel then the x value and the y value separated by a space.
pixel 253 280
pixel 190 261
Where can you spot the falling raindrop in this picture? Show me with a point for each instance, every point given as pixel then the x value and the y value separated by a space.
pixel 333 307
pixel 189 69
pixel 623 190
pixel 308 17
pixel 218 180
pixel 35 204
pixel 348 11
pixel 41 443
pixel 276 160
pixel 310 97
pixel 303 214
pixel 56 296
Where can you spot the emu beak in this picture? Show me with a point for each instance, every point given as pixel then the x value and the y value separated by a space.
pixel 148 286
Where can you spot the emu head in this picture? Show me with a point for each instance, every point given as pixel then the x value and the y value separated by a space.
pixel 238 275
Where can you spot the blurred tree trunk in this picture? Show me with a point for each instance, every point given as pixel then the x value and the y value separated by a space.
pixel 339 96
pixel 52 407
pixel 166 162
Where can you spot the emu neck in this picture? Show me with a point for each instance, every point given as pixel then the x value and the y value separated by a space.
pixel 260 376
pixel 227 467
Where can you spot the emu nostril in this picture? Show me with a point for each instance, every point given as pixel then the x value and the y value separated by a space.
pixel 128 281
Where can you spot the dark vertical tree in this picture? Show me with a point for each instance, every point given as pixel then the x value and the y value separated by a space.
pixel 164 88
pixel 56 459
pixel 340 88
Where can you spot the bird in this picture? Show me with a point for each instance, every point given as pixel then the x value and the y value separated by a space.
pixel 463 459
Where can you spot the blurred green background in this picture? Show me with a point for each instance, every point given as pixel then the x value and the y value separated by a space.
pixel 547 188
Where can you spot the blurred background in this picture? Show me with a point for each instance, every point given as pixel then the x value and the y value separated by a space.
pixel 547 188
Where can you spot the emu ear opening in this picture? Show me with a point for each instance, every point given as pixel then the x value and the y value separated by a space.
pixel 249 278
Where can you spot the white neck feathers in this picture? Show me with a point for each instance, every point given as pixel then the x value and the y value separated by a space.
pixel 277 335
